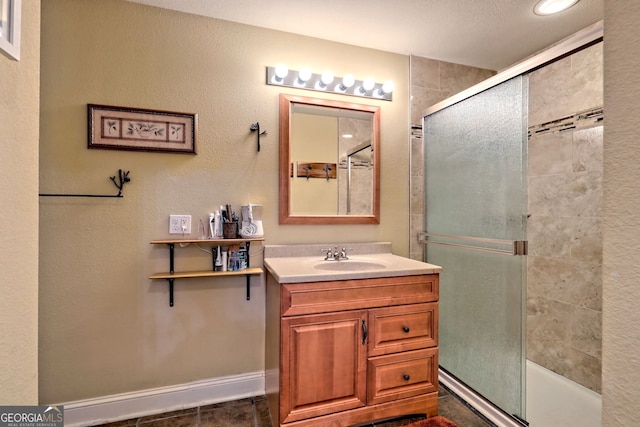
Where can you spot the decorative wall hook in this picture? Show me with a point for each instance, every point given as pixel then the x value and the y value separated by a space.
pixel 123 178
pixel 256 127
pixel 327 169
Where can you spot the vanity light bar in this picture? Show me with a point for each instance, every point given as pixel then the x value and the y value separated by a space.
pixel 326 82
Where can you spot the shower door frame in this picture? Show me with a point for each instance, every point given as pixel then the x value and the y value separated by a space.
pixel 578 41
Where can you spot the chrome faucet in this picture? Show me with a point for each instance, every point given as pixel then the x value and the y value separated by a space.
pixel 335 255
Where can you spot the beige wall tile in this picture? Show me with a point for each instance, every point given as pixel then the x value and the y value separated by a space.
pixel 564 280
pixel 567 86
pixel 549 236
pixel 455 78
pixel 548 319
pixel 425 72
pixel 550 154
pixel 546 90
pixel 586 331
pixel 586 242
pixel 587 149
pixel 584 369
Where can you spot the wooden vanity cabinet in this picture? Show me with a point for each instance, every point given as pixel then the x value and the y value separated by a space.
pixel 344 352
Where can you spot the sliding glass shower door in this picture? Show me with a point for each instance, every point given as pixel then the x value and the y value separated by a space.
pixel 475 228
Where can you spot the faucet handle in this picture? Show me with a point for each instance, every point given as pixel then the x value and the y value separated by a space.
pixel 328 254
pixel 343 253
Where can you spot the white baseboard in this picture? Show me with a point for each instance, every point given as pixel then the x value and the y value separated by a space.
pixel 135 404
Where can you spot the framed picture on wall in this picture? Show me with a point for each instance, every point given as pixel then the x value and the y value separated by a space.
pixel 137 129
pixel 10 18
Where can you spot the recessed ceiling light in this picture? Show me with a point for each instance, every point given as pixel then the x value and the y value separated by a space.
pixel 549 7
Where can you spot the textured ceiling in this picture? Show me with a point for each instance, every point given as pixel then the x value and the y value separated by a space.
pixel 491 34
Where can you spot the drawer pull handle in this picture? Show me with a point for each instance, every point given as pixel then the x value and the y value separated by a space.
pixel 365 332
pixel 406 329
pixel 406 377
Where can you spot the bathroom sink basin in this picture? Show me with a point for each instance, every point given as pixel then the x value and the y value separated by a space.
pixel 305 263
pixel 349 265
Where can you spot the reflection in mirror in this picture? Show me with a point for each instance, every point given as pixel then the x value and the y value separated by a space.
pixel 359 170
pixel 329 160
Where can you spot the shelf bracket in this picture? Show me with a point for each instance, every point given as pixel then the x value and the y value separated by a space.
pixel 171 279
pixel 248 276
pixel 171 254
pixel 170 292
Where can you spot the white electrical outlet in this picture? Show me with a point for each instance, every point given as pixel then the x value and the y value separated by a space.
pixel 179 224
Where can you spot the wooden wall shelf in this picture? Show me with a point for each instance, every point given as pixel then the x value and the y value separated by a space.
pixel 171 275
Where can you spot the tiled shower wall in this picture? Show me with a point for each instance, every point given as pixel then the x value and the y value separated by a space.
pixel 431 82
pixel 564 272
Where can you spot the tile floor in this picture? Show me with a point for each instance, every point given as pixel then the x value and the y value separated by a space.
pixel 253 412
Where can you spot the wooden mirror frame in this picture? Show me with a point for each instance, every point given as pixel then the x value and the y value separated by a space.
pixel 285 215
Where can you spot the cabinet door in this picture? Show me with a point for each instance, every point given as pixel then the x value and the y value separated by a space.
pixel 323 364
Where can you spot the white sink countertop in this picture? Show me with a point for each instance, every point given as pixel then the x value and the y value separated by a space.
pixel 305 263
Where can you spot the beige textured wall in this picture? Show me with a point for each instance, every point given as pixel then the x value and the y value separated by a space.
pixel 19 107
pixel 105 328
pixel 621 235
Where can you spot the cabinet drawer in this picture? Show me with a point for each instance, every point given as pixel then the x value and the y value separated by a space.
pixel 402 328
pixel 402 375
pixel 322 297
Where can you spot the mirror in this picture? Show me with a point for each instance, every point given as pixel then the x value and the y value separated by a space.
pixel 329 162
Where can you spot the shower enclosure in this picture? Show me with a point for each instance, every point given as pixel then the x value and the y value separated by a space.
pixel 475 155
pixel 484 198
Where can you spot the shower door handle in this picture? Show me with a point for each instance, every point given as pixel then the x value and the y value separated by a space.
pixel 516 247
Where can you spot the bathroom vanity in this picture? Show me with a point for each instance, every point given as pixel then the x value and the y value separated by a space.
pixel 349 341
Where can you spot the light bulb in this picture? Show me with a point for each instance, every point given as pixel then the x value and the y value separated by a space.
pixel 327 78
pixel 368 84
pixel 388 86
pixel 281 71
pixel 304 74
pixel 348 81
